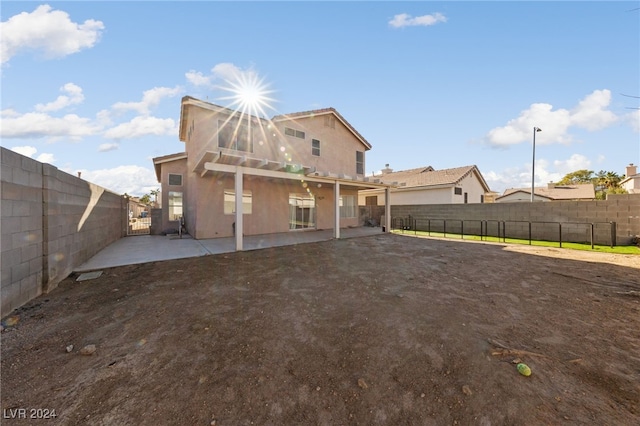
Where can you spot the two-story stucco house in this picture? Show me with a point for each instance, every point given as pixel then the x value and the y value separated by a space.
pixel 294 172
pixel 426 185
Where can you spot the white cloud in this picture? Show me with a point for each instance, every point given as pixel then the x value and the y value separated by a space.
pixel 197 79
pixel 30 151
pixel 142 126
pixel 133 180
pixel 105 147
pixel 590 114
pixel 46 158
pixel 150 99
pixel 633 118
pixel 49 31
pixel 40 125
pixel 404 20
pixel 63 101
pixel 520 177
pixel 27 151
pixel 224 71
pixel 573 163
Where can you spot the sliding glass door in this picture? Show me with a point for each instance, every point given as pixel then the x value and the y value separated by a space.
pixel 302 211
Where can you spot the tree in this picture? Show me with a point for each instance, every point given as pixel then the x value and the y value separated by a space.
pixel 605 182
pixel 155 194
pixel 579 176
pixel 145 199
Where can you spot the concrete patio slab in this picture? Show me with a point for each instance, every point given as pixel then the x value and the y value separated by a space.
pixel 152 248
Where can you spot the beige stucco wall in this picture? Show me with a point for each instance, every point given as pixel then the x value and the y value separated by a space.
pixel 204 195
pixel 270 206
pixel 445 195
pixel 338 145
pixel 172 167
pixel 632 185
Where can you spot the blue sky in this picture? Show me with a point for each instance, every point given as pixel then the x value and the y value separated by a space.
pixel 95 87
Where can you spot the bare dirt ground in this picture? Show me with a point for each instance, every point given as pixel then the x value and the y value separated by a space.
pixel 384 330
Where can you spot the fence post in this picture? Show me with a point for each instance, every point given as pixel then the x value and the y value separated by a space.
pixel 444 227
pixel 613 234
pixel 462 229
pixel 560 234
pixel 592 232
pixel 529 233
pixel 429 227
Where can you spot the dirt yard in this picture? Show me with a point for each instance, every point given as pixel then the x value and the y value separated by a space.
pixel 379 330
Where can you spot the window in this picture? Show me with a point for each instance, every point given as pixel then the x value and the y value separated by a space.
pixel 175 205
pixel 175 180
pixel 457 191
pixel 295 133
pixel 466 198
pixel 482 198
pixel 359 162
pixel 234 135
pixel 348 206
pixel 315 147
pixel 230 202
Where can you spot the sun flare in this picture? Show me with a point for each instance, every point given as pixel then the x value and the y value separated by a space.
pixel 249 94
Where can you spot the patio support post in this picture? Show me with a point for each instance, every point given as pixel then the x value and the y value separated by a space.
pixel 336 203
pixel 239 225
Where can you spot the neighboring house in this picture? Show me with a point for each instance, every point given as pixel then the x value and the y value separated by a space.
pixel 631 181
pixel 425 185
pixel 295 172
pixel 552 192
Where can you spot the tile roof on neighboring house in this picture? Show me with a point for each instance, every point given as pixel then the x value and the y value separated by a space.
pixel 585 191
pixel 428 176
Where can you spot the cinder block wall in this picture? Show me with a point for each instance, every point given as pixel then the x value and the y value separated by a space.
pixel 624 209
pixel 21 230
pixel 51 223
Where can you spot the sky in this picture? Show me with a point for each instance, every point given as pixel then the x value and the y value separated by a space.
pixel 95 87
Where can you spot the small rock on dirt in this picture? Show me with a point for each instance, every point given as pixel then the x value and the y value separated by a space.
pixel 69 348
pixel 466 390
pixel 88 350
pixel 362 383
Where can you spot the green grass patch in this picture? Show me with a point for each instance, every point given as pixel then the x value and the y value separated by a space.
pixel 566 245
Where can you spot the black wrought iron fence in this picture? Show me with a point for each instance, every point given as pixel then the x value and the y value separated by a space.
pixel 600 233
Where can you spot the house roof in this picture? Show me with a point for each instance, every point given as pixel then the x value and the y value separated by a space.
pixel 157 161
pixel 323 111
pixel 428 176
pixel 189 100
pixel 585 191
pixel 630 178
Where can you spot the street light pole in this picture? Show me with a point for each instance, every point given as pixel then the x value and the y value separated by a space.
pixel 533 163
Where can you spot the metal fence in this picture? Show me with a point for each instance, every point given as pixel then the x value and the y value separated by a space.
pixel 593 233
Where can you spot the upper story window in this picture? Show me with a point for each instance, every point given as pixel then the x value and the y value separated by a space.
pixel 175 180
pixel 293 132
pixel 359 162
pixel 315 147
pixel 457 191
pixel 234 135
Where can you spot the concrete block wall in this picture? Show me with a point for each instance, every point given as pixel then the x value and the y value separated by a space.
pixel 51 223
pixel 20 230
pixel 624 209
